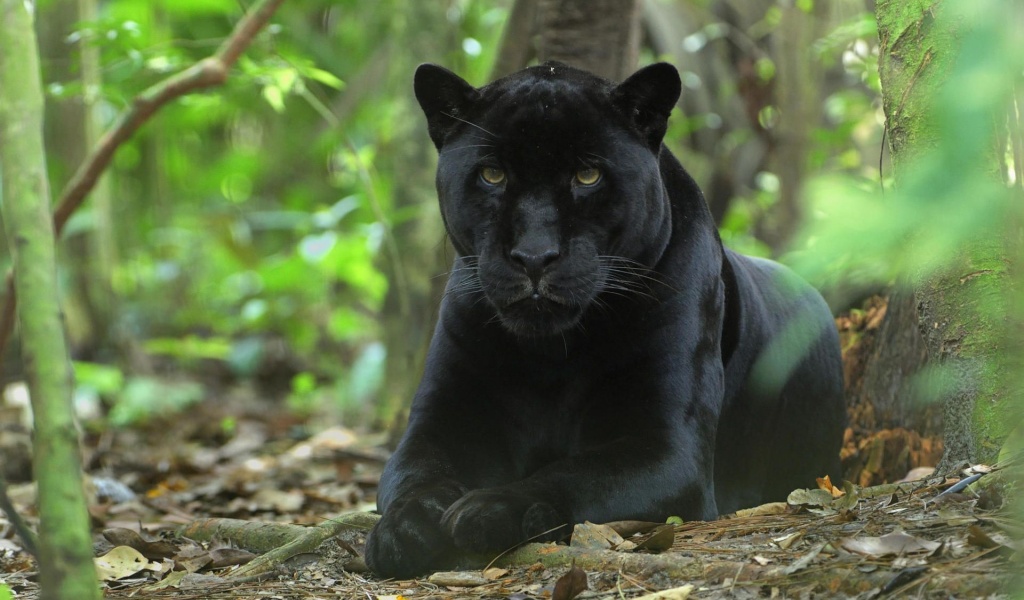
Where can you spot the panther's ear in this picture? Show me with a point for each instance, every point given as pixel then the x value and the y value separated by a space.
pixel 444 97
pixel 647 98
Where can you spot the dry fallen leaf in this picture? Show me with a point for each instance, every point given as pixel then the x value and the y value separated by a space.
pixel 772 508
pixel 457 579
pixel 628 528
pixel 788 540
pixel 810 498
pixel 570 585
pixel 192 558
pixel 892 544
pixel 976 536
pixel 847 498
pixel 119 536
pixel 171 580
pixel 494 573
pixel 825 483
pixel 594 536
pixel 229 557
pixel 662 539
pixel 122 561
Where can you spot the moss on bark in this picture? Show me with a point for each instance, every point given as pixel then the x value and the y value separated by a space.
pixel 963 311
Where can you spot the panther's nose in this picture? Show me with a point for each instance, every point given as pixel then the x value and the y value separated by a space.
pixel 534 261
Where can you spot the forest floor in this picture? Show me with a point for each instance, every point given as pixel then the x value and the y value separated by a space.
pixel 240 456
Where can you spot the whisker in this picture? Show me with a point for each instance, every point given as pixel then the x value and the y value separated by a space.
pixel 469 146
pixel 470 124
pixel 625 270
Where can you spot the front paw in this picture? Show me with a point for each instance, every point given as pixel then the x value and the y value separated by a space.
pixel 409 540
pixel 497 519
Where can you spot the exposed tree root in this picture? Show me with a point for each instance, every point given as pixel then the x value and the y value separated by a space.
pixel 279 541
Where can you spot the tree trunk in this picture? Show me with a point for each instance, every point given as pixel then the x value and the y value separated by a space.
pixel 886 395
pixel 963 308
pixel 65 550
pixel 518 45
pixel 71 130
pixel 600 36
pixel 798 98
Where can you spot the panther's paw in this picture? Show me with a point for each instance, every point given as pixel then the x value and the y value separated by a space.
pixel 409 540
pixel 497 519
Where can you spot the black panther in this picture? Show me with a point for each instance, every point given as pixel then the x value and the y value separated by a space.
pixel 599 355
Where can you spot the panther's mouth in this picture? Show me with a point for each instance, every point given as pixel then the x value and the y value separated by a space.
pixel 537 313
pixel 538 298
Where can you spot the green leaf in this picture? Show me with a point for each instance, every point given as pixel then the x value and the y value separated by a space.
pixel 192 8
pixel 285 78
pixel 323 77
pixel 190 347
pixel 102 378
pixel 274 97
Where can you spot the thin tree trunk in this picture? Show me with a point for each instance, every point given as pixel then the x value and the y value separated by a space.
pixel 103 303
pixel 798 94
pixel 518 45
pixel 71 130
pixel 65 549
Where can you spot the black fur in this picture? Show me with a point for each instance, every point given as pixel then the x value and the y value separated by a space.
pixel 599 355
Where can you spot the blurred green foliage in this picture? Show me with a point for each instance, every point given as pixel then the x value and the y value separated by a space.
pixel 254 213
pixel 960 186
pixel 948 226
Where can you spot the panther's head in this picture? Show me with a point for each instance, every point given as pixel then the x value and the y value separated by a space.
pixel 549 186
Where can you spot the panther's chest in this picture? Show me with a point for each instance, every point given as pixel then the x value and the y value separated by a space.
pixel 546 423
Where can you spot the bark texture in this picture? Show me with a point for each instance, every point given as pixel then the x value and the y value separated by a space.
pixel 963 308
pixel 65 549
pixel 888 387
pixel 798 80
pixel 600 36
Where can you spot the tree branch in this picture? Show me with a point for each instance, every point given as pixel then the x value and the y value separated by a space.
pixel 209 72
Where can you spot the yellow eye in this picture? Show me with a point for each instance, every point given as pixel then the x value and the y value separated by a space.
pixel 492 176
pixel 588 176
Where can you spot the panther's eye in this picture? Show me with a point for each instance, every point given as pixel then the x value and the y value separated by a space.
pixel 492 176
pixel 588 176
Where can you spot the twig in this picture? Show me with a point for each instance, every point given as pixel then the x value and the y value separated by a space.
pixel 28 537
pixel 209 72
